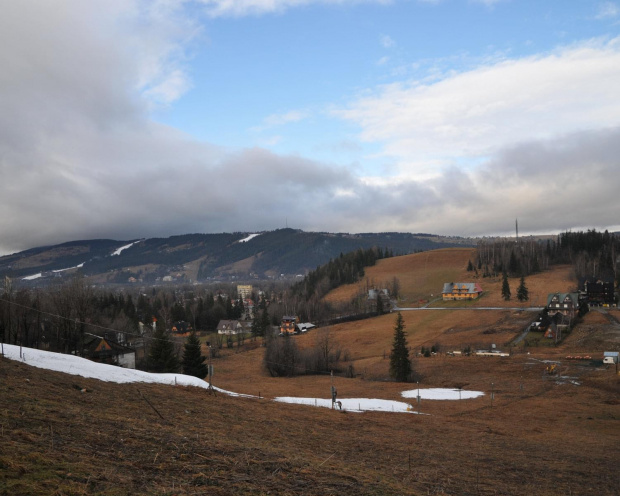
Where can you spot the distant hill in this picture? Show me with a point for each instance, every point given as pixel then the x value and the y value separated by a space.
pixel 204 257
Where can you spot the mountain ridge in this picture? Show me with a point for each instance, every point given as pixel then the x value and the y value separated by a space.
pixel 203 257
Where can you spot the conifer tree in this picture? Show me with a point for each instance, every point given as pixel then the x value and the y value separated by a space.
pixel 505 287
pixel 522 292
pixel 162 356
pixel 380 310
pixel 256 328
pixel 193 359
pixel 264 323
pixel 400 366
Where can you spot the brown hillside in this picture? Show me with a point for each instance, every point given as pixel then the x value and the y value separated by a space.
pixel 539 436
pixel 422 276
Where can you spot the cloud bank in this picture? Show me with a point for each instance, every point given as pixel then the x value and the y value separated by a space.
pixel 81 157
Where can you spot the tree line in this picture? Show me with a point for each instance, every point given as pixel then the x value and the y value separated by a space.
pixel 592 254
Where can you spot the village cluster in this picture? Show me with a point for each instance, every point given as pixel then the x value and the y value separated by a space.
pixel 555 319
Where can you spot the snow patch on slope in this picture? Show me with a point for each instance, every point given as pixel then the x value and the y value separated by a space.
pixel 70 364
pixel 250 237
pixel 122 248
pixel 442 394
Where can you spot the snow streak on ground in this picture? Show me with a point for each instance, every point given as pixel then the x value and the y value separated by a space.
pixel 442 394
pixel 251 236
pixel 40 274
pixel 118 252
pixel 74 365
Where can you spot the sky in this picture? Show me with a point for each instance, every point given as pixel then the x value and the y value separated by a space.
pixel 126 119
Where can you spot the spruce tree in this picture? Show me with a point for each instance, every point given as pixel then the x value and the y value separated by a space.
pixel 193 359
pixel 522 292
pixel 505 287
pixel 264 323
pixel 256 328
pixel 380 310
pixel 162 356
pixel 400 366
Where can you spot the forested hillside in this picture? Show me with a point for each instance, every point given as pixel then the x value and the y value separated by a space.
pixel 592 253
pixel 201 257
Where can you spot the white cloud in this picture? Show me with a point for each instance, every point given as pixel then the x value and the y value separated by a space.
pixel 608 10
pixel 387 41
pixel 475 113
pixel 80 157
pixel 237 8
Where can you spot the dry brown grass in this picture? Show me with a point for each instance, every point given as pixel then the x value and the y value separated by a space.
pixel 422 276
pixel 538 437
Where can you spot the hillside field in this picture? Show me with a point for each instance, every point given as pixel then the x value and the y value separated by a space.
pixel 422 276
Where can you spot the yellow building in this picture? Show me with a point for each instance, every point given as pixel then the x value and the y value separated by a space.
pixel 244 290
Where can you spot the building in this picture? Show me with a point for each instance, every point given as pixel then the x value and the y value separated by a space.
pixel 288 325
pixel 229 327
pixel 244 290
pixel 597 292
pixel 565 303
pixel 461 291
pixel 106 350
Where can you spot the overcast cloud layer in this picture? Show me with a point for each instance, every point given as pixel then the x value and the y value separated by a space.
pixel 536 138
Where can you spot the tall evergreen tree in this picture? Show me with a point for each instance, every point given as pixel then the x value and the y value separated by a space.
pixel 380 309
pixel 505 287
pixel 513 265
pixel 193 359
pixel 400 366
pixel 256 327
pixel 264 323
pixel 522 292
pixel 162 356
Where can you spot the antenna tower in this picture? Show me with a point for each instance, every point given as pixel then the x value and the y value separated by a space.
pixel 517 228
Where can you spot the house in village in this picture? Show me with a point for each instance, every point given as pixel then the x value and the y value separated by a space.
pixel 461 291
pixel 288 325
pixel 382 294
pixel 182 328
pixel 233 327
pixel 566 304
pixel 107 350
pixel 597 292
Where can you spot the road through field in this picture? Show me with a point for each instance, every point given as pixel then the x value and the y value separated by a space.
pixel 517 309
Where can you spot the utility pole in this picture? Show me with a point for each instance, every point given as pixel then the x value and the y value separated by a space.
pixel 210 369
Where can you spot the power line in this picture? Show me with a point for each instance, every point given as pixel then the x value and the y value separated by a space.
pixel 76 321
